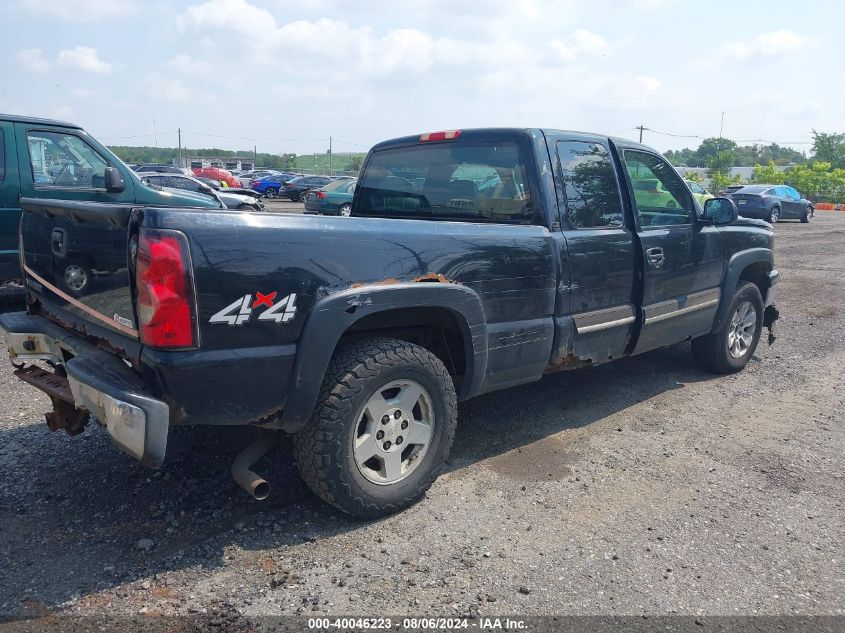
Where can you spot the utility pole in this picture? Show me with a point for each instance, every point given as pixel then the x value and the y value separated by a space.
pixel 721 126
pixel 330 156
pixel 254 156
pixel 641 127
pixel 180 148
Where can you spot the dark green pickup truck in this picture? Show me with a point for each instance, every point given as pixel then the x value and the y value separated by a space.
pixel 43 159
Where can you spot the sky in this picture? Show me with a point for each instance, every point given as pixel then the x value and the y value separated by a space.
pixel 285 75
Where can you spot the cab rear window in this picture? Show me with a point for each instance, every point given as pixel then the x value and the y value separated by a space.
pixel 2 156
pixel 471 182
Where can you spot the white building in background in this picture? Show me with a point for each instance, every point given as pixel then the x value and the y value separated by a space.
pixel 744 173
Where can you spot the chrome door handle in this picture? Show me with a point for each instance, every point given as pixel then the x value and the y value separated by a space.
pixel 655 257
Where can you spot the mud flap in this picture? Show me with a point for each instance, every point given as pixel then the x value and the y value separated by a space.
pixel 770 318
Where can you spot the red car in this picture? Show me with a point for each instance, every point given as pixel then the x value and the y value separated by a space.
pixel 215 173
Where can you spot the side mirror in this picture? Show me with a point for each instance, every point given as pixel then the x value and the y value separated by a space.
pixel 720 211
pixel 113 180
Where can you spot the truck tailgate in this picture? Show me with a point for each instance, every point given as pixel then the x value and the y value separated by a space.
pixel 75 256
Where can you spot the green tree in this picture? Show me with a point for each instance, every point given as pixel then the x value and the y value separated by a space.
pixel 694 176
pixel 829 148
pixel 768 174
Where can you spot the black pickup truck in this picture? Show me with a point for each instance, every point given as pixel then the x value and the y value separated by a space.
pixel 474 260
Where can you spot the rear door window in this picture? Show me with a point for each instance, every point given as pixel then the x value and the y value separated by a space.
pixel 64 161
pixel 472 182
pixel 589 184
pixel 660 196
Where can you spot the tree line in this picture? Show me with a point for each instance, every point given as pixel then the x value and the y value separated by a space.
pixel 819 178
pixel 307 162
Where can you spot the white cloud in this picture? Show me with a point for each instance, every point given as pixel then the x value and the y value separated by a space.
pixel 83 58
pixel 580 42
pixel 79 10
pixel 168 89
pixel 186 64
pixel 33 60
pixel 766 45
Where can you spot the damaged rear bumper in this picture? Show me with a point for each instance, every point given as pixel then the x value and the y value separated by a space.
pixel 97 382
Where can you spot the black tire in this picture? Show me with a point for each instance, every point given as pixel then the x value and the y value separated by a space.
pixel 808 213
pixel 774 215
pixel 324 448
pixel 271 192
pixel 303 194
pixel 344 210
pixel 711 351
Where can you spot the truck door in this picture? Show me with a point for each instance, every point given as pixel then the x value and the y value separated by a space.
pixel 601 255
pixel 682 263
pixel 10 212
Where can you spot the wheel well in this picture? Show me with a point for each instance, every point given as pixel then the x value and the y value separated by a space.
pixel 436 329
pixel 756 273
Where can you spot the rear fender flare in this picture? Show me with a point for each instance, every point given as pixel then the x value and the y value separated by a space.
pixel 738 263
pixel 332 316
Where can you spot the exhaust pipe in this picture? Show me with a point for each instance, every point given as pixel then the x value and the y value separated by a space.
pixel 253 483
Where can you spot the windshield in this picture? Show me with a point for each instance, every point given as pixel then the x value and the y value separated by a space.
pixel 476 182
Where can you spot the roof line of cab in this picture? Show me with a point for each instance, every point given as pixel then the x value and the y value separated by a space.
pixel 16 118
pixel 503 132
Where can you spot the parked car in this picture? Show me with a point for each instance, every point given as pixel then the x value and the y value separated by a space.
pixel 59 165
pixel 730 189
pixel 297 188
pixel 157 169
pixel 218 186
pixel 334 198
pixel 699 192
pixel 271 185
pixel 772 203
pixel 248 176
pixel 359 337
pixel 230 198
pixel 215 173
pixel 650 192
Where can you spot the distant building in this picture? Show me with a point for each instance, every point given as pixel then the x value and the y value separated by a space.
pixel 745 173
pixel 223 162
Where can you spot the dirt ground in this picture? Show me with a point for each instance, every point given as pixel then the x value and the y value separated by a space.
pixel 645 486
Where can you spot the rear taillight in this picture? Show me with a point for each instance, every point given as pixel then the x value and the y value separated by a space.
pixel 253 183
pixel 320 195
pixel 165 290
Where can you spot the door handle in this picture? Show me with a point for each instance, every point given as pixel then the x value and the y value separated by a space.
pixel 655 257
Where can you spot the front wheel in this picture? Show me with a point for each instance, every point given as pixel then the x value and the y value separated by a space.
pixel 303 195
pixel 271 192
pixel 808 213
pixel 730 347
pixel 381 430
pixel 774 215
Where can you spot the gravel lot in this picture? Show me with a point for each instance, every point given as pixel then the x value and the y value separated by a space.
pixel 641 487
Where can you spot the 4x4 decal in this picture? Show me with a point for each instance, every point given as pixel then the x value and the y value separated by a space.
pixel 239 311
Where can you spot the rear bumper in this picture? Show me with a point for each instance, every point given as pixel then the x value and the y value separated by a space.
pixel 100 383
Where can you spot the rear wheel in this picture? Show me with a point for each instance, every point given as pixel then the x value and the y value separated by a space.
pixel 774 215
pixel 731 347
pixel 345 210
pixel 381 430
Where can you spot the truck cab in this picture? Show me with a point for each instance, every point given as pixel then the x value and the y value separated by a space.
pixel 53 160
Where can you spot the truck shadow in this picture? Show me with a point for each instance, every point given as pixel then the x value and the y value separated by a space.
pixel 79 517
